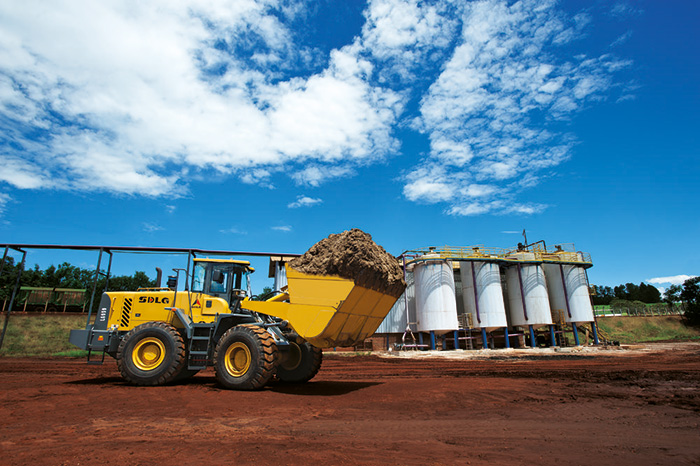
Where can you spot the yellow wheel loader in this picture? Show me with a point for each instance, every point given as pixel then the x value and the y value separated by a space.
pixel 160 335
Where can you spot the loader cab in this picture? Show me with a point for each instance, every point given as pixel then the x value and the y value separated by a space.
pixel 222 278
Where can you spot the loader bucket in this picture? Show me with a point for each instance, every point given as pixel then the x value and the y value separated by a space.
pixel 331 311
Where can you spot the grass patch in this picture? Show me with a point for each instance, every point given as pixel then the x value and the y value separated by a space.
pixel 647 329
pixel 40 335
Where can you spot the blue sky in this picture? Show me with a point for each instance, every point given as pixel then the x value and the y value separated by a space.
pixel 267 125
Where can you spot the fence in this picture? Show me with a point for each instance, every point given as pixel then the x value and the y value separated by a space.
pixel 677 309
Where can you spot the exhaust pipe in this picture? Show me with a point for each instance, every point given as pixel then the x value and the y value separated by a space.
pixel 159 276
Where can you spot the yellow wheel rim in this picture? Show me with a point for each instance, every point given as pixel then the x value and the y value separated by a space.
pixel 293 358
pixel 237 359
pixel 148 354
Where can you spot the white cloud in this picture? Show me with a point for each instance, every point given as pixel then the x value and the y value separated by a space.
pixel 4 200
pixel 142 99
pixel 129 99
pixel 304 201
pixel 151 227
pixel 315 175
pixel 624 9
pixel 233 231
pixel 284 228
pixel 673 280
pixel 622 39
pixel 487 114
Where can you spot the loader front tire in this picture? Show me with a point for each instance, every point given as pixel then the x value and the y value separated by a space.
pixel 245 358
pixel 301 364
pixel 151 354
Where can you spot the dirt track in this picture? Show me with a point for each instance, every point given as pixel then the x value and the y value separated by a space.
pixel 604 408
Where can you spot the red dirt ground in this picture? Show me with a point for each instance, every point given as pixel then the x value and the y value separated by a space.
pixel 622 407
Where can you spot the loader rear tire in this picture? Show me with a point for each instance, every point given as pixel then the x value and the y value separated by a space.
pixel 245 358
pixel 151 354
pixel 301 364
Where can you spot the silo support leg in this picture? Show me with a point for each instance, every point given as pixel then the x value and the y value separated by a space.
pixel 552 335
pixel 533 343
pixel 456 335
pixel 595 333
pixel 432 340
pixel 505 333
pixel 483 337
pixel 420 340
pixel 573 326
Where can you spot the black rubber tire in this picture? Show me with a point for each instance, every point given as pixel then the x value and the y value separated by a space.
pixel 157 340
pixel 245 358
pixel 303 365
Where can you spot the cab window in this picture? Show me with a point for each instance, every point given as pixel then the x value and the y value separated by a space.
pixel 221 277
pixel 198 278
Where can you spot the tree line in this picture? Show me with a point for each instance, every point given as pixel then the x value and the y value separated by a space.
pixel 68 276
pixel 631 295
pixel 605 295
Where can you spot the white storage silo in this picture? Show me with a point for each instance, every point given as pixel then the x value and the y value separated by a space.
pixel 396 320
pixel 436 306
pixel 527 294
pixel 280 276
pixel 483 295
pixel 568 292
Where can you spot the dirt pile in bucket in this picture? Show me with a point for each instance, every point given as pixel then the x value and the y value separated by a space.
pixel 353 255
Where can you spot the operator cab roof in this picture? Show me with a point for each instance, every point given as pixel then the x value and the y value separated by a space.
pixel 245 264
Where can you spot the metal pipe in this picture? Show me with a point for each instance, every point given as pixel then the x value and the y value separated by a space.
pixel 476 295
pixel 533 343
pixel 456 335
pixel 522 291
pixel 483 337
pixel 566 292
pixel 14 293
pixel 432 339
pixel 2 264
pixel 505 332
pixel 94 287
pixel 147 250
pixel 109 270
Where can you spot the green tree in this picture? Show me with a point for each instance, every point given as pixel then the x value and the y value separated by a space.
pixel 649 294
pixel 673 294
pixel 690 295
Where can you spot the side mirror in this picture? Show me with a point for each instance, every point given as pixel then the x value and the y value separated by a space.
pixel 172 282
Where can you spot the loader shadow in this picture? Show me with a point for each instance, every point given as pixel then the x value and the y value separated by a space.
pixel 98 381
pixel 326 388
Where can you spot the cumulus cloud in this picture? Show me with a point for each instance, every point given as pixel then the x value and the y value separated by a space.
pixel 141 99
pixel 673 280
pixel 304 201
pixel 101 97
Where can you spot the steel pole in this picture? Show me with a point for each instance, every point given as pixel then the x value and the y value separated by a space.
pixel 12 300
